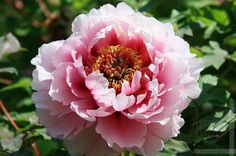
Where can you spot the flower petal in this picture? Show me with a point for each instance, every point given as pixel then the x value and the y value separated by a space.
pixel 123 102
pixel 59 127
pixel 117 129
pixel 98 86
pixel 46 54
pixel 89 143
pixel 59 89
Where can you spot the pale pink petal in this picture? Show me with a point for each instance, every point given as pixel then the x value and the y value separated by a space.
pixel 170 100
pixel 88 25
pixel 135 84
pixel 177 44
pixel 59 127
pixel 123 102
pixel 81 106
pixel 89 143
pixel 172 70
pixel 46 54
pixel 157 134
pixel 101 112
pixel 167 131
pixel 43 100
pixel 41 79
pixel 117 129
pixel 59 90
pixel 71 49
pixel 152 145
pixel 98 85
pixel 141 97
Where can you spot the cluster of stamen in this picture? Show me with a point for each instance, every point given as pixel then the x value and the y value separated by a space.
pixel 117 64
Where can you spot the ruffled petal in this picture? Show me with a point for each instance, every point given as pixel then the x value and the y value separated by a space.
pixel 41 79
pixel 157 134
pixel 58 126
pixel 117 129
pixel 89 143
pixel 98 85
pixel 59 89
pixel 43 100
pixel 46 54
pixel 123 102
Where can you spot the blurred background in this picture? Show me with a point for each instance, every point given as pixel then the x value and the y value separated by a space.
pixel 209 26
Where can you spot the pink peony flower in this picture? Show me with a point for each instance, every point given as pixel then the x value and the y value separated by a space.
pixel 119 82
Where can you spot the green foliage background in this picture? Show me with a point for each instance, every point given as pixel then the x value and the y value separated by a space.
pixel 208 25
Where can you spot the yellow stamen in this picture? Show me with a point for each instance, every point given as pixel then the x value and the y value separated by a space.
pixel 117 64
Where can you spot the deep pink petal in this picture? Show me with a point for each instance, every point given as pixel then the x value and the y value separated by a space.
pixel 136 43
pixel 76 81
pixel 104 38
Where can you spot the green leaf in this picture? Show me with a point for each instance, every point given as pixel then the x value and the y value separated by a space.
pixel 209 31
pixel 196 51
pixel 29 117
pixel 165 154
pixel 23 83
pixel 10 70
pixel 24 102
pixel 215 56
pixel 230 40
pixel 201 3
pixel 213 96
pixel 23 30
pixel 42 132
pixel 176 146
pixel 203 21
pixel 13 144
pixel 220 16
pixel 46 146
pixel 184 31
pixel 233 56
pixel 8 141
pixel 223 122
pixel 5 133
pixel 209 79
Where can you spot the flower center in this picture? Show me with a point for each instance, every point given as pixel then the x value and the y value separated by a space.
pixel 117 64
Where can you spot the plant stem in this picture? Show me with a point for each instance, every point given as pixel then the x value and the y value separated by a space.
pixel 8 116
pixel 5 81
pixel 34 146
pixel 44 8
